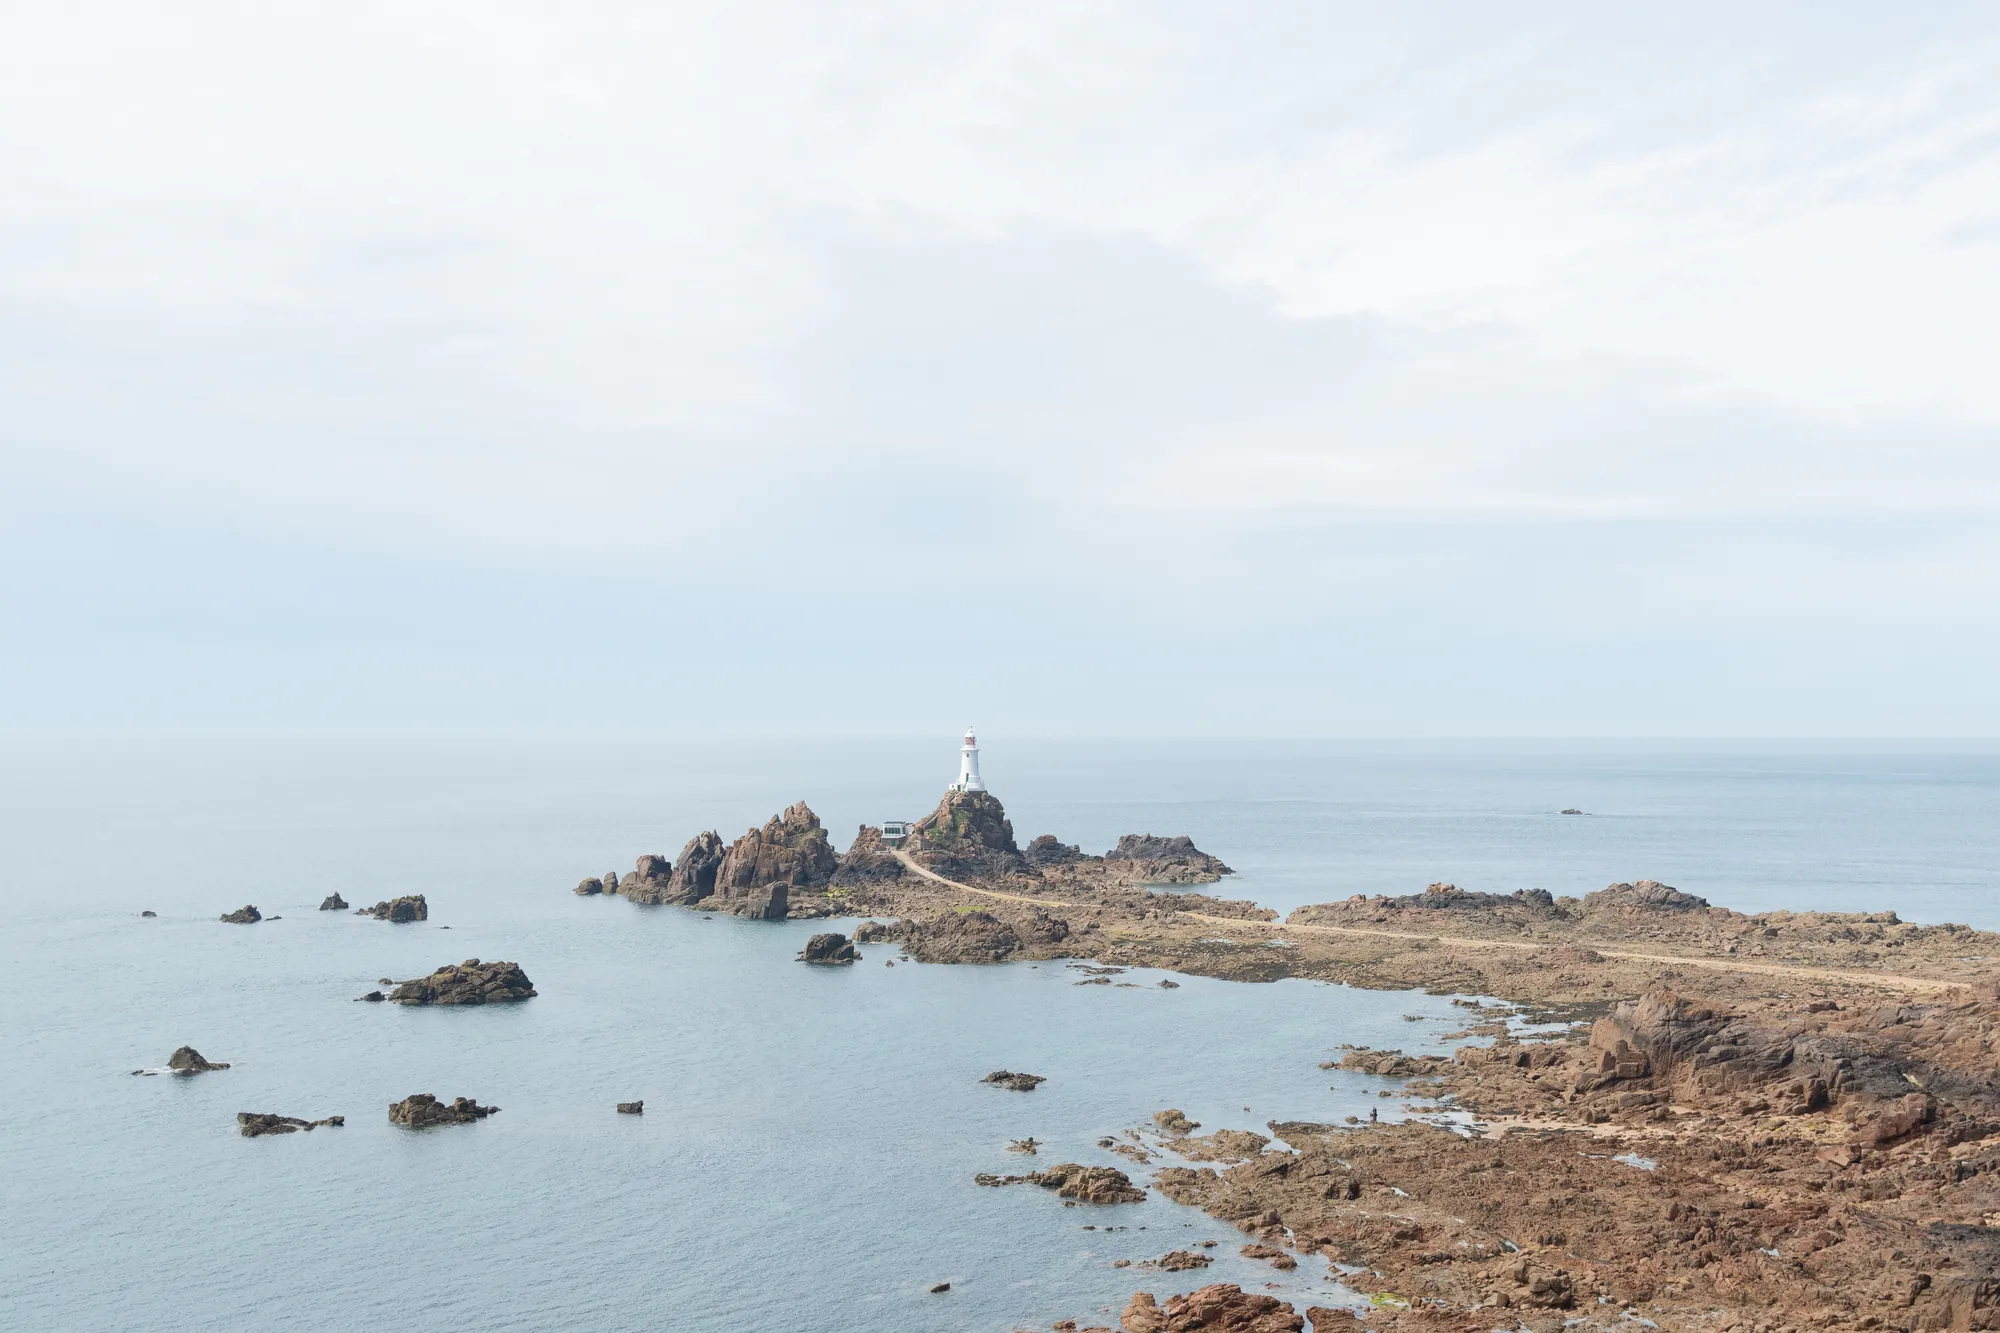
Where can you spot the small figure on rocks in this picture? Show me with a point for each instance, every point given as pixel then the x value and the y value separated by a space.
pixel 631 1108
pixel 1007 1078
pixel 333 902
pixel 243 916
pixel 423 1110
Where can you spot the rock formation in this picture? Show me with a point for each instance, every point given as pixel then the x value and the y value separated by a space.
pixel 590 888
pixel 243 916
pixel 333 902
pixel 1221 1307
pixel 1141 858
pixel 469 982
pixel 828 949
pixel 960 937
pixel 761 868
pixel 1646 895
pixel 1007 1078
pixel 188 1061
pixel 1179 1261
pixel 1046 852
pixel 253 1124
pixel 693 876
pixel 1088 1184
pixel 867 861
pixel 423 1110
pixel 149 912
pixel 401 911
pixel 631 1108
pixel 968 837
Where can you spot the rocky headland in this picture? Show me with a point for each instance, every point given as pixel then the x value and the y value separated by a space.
pixel 469 982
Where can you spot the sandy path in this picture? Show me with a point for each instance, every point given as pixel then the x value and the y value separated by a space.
pixel 904 857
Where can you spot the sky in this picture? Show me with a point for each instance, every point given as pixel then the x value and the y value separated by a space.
pixel 1473 370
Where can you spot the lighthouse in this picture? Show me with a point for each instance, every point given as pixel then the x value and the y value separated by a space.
pixel 968 766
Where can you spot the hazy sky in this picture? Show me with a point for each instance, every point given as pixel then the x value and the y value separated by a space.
pixel 1347 370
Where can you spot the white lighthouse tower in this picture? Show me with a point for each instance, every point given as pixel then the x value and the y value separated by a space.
pixel 968 766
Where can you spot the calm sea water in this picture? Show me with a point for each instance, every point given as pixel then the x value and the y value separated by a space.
pixel 810 1136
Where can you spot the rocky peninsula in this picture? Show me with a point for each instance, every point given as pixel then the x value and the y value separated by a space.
pixel 1740 1123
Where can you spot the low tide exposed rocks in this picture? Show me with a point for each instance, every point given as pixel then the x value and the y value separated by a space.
pixel 1088 1184
pixel 400 911
pixel 469 982
pixel 631 1108
pixel 1221 1307
pixel 256 1124
pixel 1179 1261
pixel 333 902
pixel 186 1062
pixel 970 936
pixel 1007 1078
pixel 1141 858
pixel 422 1110
pixel 245 915
pixel 828 950
pixel 372 997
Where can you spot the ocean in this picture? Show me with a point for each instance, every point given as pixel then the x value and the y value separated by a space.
pixel 806 1156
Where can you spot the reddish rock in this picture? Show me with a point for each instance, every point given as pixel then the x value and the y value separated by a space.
pixel 1221 1307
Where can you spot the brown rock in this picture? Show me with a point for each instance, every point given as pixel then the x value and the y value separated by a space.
pixel 245 915
pixel 188 1061
pixel 590 888
pixel 961 937
pixel 1141 858
pixel 631 1108
pixel 968 837
pixel 1006 1078
pixel 867 861
pixel 253 1124
pixel 469 982
pixel 422 1110
pixel 400 911
pixel 1180 1261
pixel 1221 1307
pixel 829 949
pixel 1088 1184
pixel 761 868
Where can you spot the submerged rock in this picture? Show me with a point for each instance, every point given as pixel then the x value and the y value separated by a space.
pixel 1007 1078
pixel 422 1110
pixel 253 1124
pixel 243 916
pixel 333 902
pixel 469 982
pixel 828 950
pixel 400 911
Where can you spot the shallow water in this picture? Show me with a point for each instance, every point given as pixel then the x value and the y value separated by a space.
pixel 810 1136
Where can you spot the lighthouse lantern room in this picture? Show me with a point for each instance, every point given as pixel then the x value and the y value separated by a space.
pixel 968 766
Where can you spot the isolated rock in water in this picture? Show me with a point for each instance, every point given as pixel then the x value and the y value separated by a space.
pixel 961 937
pixel 149 913
pixel 469 982
pixel 243 916
pixel 590 887
pixel 940 1287
pixel 1174 1121
pixel 1222 1307
pixel 968 836
pixel 1647 895
pixel 1276 1257
pixel 187 1060
pixel 400 911
pixel 631 1108
pixel 423 1110
pixel 1145 859
pixel 372 997
pixel 1572 811
pixel 610 881
pixel 1089 1184
pixel 868 860
pixel 828 949
pixel 1169 985
pixel 1027 1145
pixel 333 902
pixel 1007 1078
pixel 253 1124
pixel 1180 1261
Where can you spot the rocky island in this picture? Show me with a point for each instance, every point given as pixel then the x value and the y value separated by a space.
pixel 469 982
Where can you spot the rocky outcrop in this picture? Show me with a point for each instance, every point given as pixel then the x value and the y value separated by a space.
pixel 1047 852
pixel 188 1061
pixel 1088 1184
pixel 1007 1078
pixel 400 911
pixel 691 880
pixel 961 937
pixel 761 868
pixel 631 1108
pixel 469 982
pixel 149 912
pixel 1141 858
pixel 1179 1261
pixel 245 915
pixel 868 860
pixel 968 837
pixel 1221 1307
pixel 254 1124
pixel 589 888
pixel 1645 896
pixel 827 950
pixel 333 902
pixel 422 1110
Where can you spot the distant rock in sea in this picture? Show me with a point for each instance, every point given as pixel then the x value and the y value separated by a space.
pixel 399 911
pixel 828 949
pixel 243 916
pixel 1007 1078
pixel 590 888
pixel 254 1124
pixel 631 1108
pixel 149 913
pixel 186 1062
pixel 333 902
pixel 422 1110
pixel 469 982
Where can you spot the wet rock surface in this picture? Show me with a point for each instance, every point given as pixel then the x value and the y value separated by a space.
pixel 400 911
pixel 828 950
pixel 245 915
pixel 1007 1078
pixel 255 1124
pixel 1219 1308
pixel 469 982
pixel 422 1110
